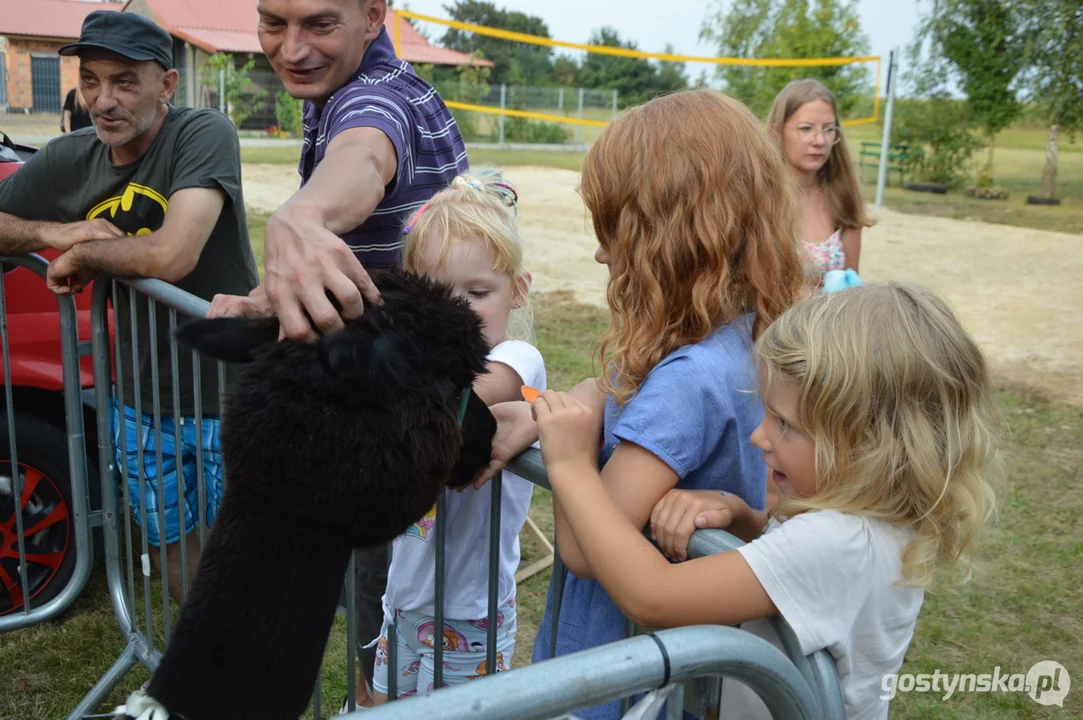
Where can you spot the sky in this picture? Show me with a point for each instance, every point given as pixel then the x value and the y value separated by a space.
pixel 653 25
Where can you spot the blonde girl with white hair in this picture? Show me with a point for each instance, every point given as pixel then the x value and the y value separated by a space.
pixel 879 432
pixel 467 236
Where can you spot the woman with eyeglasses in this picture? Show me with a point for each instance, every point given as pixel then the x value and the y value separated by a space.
pixel 804 118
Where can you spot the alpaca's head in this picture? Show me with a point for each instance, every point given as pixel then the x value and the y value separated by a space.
pixel 420 333
pixel 421 338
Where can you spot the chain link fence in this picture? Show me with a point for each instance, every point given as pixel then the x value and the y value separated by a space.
pixel 556 103
pixel 256 101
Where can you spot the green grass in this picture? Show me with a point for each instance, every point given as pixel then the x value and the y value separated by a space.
pixel 1021 608
pixel 1017 167
pixel 273 154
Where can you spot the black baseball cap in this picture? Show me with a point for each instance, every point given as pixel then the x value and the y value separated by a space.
pixel 125 34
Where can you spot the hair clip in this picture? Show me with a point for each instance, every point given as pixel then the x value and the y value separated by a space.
pixel 511 198
pixel 413 219
pixel 460 182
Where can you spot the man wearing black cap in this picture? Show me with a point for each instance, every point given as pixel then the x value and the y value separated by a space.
pixel 150 190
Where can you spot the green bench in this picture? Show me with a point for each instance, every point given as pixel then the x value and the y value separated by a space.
pixel 896 158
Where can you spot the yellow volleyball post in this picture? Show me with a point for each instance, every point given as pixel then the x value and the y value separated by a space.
pixel 876 94
pixel 397 34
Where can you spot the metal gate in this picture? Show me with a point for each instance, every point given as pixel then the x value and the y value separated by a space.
pixel 45 82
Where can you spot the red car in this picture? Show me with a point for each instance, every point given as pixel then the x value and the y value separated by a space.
pixel 36 391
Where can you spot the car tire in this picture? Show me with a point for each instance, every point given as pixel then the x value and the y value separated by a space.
pixel 42 449
pixel 1042 200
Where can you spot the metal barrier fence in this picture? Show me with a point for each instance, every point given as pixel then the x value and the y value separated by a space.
pixel 143 640
pixel 40 582
pixel 603 674
pixel 792 685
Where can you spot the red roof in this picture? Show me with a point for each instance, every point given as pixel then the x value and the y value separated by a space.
pixel 62 19
pixel 230 26
pixel 213 25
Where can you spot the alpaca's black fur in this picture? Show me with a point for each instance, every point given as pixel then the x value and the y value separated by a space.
pixel 336 444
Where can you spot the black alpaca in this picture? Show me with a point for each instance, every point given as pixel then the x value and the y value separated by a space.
pixel 328 446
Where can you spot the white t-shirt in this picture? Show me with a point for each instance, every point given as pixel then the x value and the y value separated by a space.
pixel 411 577
pixel 833 578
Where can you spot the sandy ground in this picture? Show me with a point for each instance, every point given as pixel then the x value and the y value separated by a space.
pixel 1019 291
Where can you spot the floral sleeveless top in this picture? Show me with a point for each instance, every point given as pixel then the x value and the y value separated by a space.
pixel 822 257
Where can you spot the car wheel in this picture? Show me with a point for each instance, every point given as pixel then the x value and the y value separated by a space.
pixel 48 522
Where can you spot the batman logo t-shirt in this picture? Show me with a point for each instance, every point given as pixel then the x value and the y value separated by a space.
pixel 72 179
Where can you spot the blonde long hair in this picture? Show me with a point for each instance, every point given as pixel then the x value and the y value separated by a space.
pixel 484 206
pixel 898 400
pixel 691 200
pixel 837 176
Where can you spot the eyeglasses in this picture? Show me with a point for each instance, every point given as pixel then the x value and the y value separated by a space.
pixel 832 133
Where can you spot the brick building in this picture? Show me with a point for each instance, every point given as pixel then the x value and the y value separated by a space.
pixel 32 77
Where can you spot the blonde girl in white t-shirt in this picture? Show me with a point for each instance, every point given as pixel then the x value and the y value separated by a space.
pixel 879 433
pixel 467 236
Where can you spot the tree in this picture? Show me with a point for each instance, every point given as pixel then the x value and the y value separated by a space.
pixel 1053 57
pixel 565 70
pixel 473 86
pixel 634 79
pixel 937 132
pixel 630 77
pixel 242 96
pixel 515 63
pixel 788 29
pixel 979 44
pixel 671 75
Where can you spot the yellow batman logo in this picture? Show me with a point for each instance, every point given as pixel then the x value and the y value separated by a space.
pixel 139 210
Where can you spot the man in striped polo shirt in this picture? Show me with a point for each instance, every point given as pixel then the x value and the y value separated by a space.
pixel 378 143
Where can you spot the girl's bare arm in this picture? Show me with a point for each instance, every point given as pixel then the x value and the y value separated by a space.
pixel 650 591
pixel 851 245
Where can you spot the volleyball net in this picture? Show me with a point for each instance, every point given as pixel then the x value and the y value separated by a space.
pixel 596 108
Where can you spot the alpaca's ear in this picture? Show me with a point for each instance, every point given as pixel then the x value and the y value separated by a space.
pixel 345 355
pixel 230 339
pixel 366 354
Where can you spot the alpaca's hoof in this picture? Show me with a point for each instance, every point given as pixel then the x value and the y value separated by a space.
pixel 141 706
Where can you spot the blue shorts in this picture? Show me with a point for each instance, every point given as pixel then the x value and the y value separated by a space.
pixel 141 435
pixel 464 650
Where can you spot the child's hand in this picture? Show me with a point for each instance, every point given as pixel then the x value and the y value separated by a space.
pixel 516 430
pixel 567 430
pixel 681 512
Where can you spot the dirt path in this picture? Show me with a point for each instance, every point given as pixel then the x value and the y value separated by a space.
pixel 1019 291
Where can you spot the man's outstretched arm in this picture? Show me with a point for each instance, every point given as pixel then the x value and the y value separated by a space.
pixel 304 254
